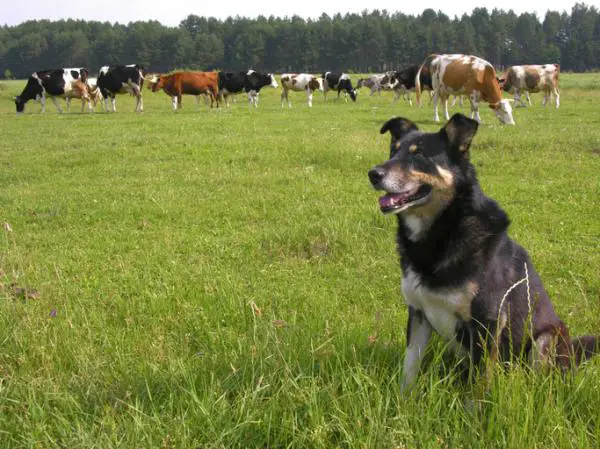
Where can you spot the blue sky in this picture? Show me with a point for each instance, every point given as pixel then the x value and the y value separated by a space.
pixel 175 10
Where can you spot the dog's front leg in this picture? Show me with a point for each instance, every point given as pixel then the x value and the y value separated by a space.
pixel 418 332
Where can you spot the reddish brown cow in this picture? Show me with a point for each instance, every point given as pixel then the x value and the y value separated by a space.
pixel 188 83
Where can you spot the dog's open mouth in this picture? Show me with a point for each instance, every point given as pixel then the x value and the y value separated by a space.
pixel 397 202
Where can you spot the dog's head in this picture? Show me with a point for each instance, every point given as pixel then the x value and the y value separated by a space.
pixel 424 170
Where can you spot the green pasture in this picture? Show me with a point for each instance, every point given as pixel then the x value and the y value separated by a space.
pixel 224 279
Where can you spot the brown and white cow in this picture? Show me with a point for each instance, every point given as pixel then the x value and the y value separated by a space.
pixel 299 82
pixel 187 83
pixel 465 75
pixel 532 78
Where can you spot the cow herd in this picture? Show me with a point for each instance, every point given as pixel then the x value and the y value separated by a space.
pixel 442 75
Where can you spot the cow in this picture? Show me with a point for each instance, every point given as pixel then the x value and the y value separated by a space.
pixel 402 82
pixel 300 82
pixel 121 79
pixel 250 82
pixel 532 78
pixel 178 84
pixel 94 92
pixel 376 83
pixel 340 82
pixel 464 74
pixel 66 83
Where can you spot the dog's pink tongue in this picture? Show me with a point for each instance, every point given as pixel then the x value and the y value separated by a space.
pixel 389 200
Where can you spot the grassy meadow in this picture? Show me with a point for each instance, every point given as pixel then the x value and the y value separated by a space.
pixel 224 278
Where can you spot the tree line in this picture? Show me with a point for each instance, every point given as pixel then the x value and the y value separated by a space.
pixel 369 42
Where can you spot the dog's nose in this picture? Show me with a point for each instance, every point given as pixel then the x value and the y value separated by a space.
pixel 376 175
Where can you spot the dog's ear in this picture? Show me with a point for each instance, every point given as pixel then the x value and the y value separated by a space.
pixel 398 127
pixel 459 132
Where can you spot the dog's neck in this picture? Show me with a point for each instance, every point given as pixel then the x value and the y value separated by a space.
pixel 416 226
pixel 441 248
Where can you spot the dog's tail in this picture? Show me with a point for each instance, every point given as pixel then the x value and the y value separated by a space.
pixel 585 347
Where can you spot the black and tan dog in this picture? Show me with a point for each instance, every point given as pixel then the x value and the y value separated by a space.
pixel 462 276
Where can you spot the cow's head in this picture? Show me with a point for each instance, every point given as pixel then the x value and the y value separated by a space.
pixel 153 80
pixel 359 83
pixel 319 81
pixel 504 112
pixel 20 104
pixel 391 81
pixel 158 85
pixel 353 93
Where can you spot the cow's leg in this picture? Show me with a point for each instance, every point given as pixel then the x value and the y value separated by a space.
pixel 56 105
pixel 418 333
pixel 545 100
pixel 68 102
pixel 139 105
pixel 285 96
pixel 436 117
pixel 113 101
pixel 407 97
pixel 43 102
pixel 446 114
pixel 214 92
pixel 174 102
pixel 396 96
pixel 309 94
pixel 557 94
pixel 106 109
pixel 474 106
pixel 528 97
pixel 519 99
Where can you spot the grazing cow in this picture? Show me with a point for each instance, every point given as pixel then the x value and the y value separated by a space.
pixel 468 75
pixel 532 78
pixel 189 83
pixel 340 82
pixel 376 83
pixel 300 82
pixel 54 83
pixel 403 82
pixel 250 82
pixel 121 79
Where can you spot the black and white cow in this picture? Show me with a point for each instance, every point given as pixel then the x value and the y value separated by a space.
pixel 65 83
pixel 376 83
pixel 250 82
pixel 340 82
pixel 402 82
pixel 121 79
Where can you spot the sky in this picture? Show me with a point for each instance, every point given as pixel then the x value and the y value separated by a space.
pixel 170 13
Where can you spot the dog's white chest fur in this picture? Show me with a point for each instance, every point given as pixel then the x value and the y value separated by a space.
pixel 444 308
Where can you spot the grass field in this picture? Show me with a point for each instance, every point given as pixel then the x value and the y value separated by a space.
pixel 224 278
